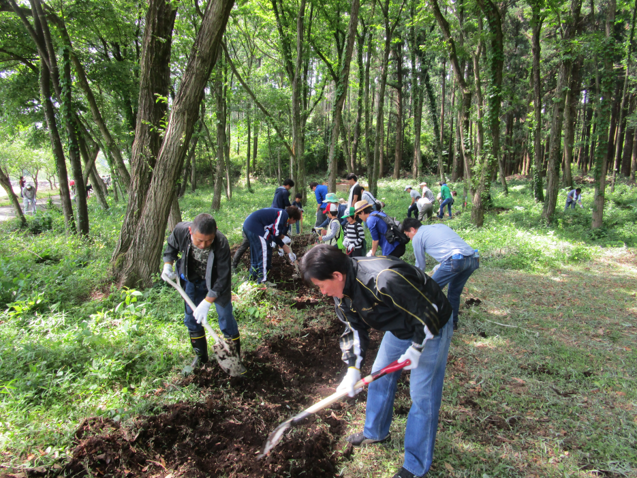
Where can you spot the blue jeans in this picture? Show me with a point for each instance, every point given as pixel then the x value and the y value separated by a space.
pixel 456 273
pixel 197 292
pixel 260 256
pixel 413 208
pixel 570 203
pixel 425 388
pixel 447 202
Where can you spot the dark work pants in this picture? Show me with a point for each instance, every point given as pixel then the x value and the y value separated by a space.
pixel 245 244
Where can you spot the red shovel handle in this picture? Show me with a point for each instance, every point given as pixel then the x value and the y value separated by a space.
pixel 391 368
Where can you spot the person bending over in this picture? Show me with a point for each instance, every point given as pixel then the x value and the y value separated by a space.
pixel 388 294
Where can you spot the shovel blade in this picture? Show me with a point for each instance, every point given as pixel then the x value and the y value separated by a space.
pixel 229 363
pixel 275 437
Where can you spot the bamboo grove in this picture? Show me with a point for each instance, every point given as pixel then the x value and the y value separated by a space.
pixel 172 93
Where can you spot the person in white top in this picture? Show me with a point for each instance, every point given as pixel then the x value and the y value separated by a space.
pixel 574 196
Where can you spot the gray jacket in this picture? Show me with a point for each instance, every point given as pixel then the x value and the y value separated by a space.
pixel 218 272
pixel 29 193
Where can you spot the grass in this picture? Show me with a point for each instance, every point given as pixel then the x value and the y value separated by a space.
pixel 540 380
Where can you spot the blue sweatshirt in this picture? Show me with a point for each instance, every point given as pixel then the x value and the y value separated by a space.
pixel 269 223
pixel 377 229
pixel 320 192
pixel 281 198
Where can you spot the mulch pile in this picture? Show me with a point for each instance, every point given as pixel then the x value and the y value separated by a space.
pixel 223 435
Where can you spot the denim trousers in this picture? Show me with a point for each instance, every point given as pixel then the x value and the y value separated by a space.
pixel 447 202
pixel 260 256
pixel 425 388
pixel 413 208
pixel 570 203
pixel 197 292
pixel 456 273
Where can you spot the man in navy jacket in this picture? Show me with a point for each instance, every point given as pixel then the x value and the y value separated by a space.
pixel 282 195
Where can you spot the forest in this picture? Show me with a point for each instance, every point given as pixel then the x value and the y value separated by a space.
pixel 132 117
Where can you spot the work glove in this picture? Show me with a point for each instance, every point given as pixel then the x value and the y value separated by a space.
pixel 369 254
pixel 350 247
pixel 168 272
pixel 201 312
pixel 292 257
pixel 286 240
pixel 273 244
pixel 281 253
pixel 353 375
pixel 413 353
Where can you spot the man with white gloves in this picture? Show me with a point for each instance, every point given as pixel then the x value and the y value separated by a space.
pixel 390 295
pixel 204 272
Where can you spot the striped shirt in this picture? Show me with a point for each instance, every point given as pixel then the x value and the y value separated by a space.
pixel 355 235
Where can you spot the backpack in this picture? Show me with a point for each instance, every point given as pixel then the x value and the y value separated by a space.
pixel 394 230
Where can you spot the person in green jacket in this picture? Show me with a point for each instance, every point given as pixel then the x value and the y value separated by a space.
pixel 447 199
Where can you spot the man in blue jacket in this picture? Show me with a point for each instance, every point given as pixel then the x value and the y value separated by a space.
pixel 282 195
pixel 378 228
pixel 262 228
pixel 320 191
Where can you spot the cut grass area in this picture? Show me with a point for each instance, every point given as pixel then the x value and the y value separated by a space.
pixel 540 379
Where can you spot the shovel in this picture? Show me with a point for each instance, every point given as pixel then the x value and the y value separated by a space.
pixel 229 363
pixel 277 434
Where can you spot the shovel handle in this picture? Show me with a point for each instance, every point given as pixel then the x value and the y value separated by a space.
pixel 192 306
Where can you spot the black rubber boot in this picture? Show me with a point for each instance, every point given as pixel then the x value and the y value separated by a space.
pixel 235 345
pixel 200 346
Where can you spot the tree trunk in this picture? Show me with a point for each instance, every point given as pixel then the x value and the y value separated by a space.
pixel 142 258
pixel 221 137
pixel 154 83
pixel 628 148
pixel 360 97
pixel 369 159
pixel 255 145
pixel 398 156
pixel 341 93
pixel 5 182
pixel 603 118
pixel 536 22
pixel 633 166
pixel 248 151
pixel 621 123
pixel 175 214
pixel 570 121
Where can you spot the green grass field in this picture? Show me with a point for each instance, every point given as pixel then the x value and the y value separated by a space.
pixel 541 374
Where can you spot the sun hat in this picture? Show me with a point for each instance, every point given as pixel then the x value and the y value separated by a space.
pixel 422 184
pixel 331 207
pixel 360 205
pixel 351 212
pixel 408 187
pixel 330 197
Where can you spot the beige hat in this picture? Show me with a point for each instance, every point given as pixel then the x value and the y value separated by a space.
pixel 360 205
pixel 422 184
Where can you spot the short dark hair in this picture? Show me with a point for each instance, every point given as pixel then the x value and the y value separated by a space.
pixel 313 184
pixel 411 223
pixel 288 182
pixel 204 224
pixel 321 262
pixel 298 195
pixel 578 190
pixel 351 176
pixel 293 212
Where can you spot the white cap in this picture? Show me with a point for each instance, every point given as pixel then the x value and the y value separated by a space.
pixel 408 187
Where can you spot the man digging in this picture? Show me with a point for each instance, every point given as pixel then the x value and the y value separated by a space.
pixel 204 273
pixel 389 295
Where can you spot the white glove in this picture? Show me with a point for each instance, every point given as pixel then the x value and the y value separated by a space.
pixel 369 254
pixel 273 244
pixel 201 312
pixel 412 354
pixel 168 272
pixel 292 257
pixel 286 240
pixel 350 247
pixel 281 253
pixel 353 375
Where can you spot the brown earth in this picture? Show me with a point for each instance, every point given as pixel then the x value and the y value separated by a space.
pixel 223 435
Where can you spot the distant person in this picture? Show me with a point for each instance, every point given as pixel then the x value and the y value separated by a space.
pixel 426 203
pixel 415 196
pixel 320 191
pixel 22 182
pixel 333 235
pixel 378 228
pixel 89 190
pixel 457 258
pixel 355 190
pixel 282 195
pixel 354 236
pixel 262 228
pixel 204 272
pixel 447 199
pixel 298 202
pixel 376 204
pixel 574 196
pixel 28 193
pixel 73 190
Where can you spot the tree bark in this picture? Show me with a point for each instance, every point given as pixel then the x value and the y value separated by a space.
pixel 248 150
pixel 633 165
pixel 154 85
pixel 5 181
pixel 341 92
pixel 142 258
pixel 221 137
pixel 536 25
pixel 570 121
pixel 398 156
